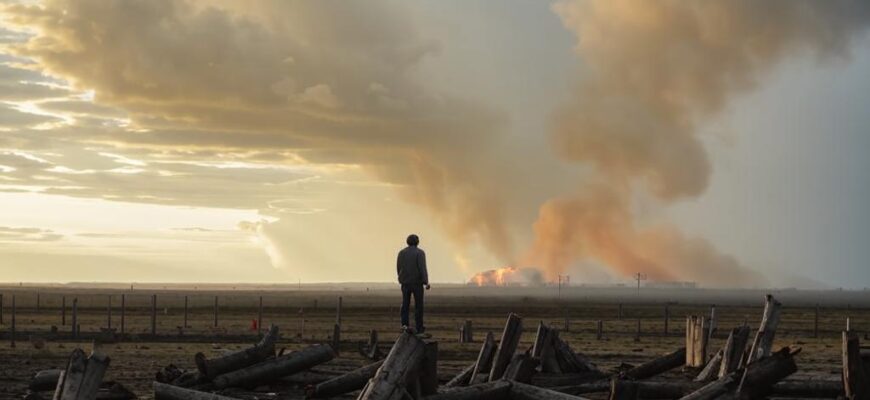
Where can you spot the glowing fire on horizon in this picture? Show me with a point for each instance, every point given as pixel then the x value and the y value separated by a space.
pixel 507 276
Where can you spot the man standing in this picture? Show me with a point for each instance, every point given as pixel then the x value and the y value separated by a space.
pixel 411 268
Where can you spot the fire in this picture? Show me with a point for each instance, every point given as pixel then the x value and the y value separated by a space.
pixel 506 276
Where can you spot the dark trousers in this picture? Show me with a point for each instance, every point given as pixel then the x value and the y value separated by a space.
pixel 417 291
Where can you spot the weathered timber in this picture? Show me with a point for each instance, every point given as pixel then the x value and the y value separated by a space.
pixel 621 389
pixel 427 373
pixel 544 349
pixel 711 370
pixel 275 368
pixel 751 382
pixel 391 379
pixel 462 378
pixel 153 313
pixel 164 391
pixel 45 380
pixel 657 366
pixel 75 318
pixel 507 346
pixel 763 342
pixel 564 380
pixel 521 368
pixel 672 389
pixel 353 380
pixel 467 332
pixel 264 349
pixel 483 364
pixel 123 314
pixel 733 350
pixel 570 361
pixel 856 379
pixel 696 341
pixel 522 391
pixel 496 390
pixel 371 350
pixel 82 377
pixel 336 337
pixel 599 330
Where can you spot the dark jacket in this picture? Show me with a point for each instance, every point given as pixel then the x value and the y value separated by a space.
pixel 411 266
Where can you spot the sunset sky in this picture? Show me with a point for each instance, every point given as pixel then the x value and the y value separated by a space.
pixel 723 142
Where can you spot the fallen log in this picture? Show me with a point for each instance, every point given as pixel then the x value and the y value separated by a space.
pixel 190 379
pixel 391 379
pixel 82 377
pixel 674 389
pixel 353 380
pixel 164 391
pixel 264 349
pixel 763 342
pixel 496 390
pixel 657 366
pixel 507 346
pixel 711 370
pixel 733 350
pixel 484 360
pixel 753 381
pixel 521 368
pixel 522 391
pixel 556 380
pixel 45 380
pixel 275 368
pixel 463 378
pixel 621 389
pixel 427 373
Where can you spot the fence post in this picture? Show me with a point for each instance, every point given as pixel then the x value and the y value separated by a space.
pixel 75 318
pixel 37 303
pixel 63 311
pixel 13 322
pixel 123 313
pixel 338 312
pixel 619 312
pixel 816 323
pixel 667 317
pixel 153 314
pixel 260 316
pixel 109 313
pixel 185 312
pixel 1 308
pixel 599 334
pixel 215 311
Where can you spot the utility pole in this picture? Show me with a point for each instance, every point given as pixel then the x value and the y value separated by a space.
pixel 639 277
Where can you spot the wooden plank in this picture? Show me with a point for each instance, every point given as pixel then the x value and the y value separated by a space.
pixel 696 341
pixel 391 380
pixel 856 381
pixel 763 342
pixel 733 350
pixel 657 366
pixel 353 380
pixel 275 368
pixel 484 360
pixel 507 346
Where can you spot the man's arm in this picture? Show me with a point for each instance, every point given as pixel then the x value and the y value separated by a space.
pixel 399 266
pixel 421 263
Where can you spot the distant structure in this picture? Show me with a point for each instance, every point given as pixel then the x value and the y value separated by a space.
pixel 671 285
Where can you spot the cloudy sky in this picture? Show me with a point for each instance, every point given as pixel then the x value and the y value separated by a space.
pixel 722 142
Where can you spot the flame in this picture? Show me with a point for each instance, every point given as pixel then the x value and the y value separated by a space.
pixel 506 276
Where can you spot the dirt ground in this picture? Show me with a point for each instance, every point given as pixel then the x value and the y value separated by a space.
pixel 307 316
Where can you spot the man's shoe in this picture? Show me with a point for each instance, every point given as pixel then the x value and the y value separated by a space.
pixel 407 329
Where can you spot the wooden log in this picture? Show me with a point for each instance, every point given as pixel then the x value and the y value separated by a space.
pixel 559 380
pixel 763 342
pixel 657 366
pixel 45 380
pixel 711 324
pixel 696 341
pixel 673 389
pixel 428 370
pixel 164 391
pixel 371 350
pixel 353 380
pixel 336 337
pixel 522 391
pixel 484 360
pixel 462 378
pixel 856 380
pixel 275 368
pixel 507 346
pixel 391 379
pixel 599 332
pixel 82 377
pixel 596 386
pixel 711 370
pixel 751 382
pixel 521 368
pixel 496 390
pixel 467 332
pixel 570 361
pixel 544 349
pixel 733 350
pixel 809 388
pixel 621 389
pixel 259 352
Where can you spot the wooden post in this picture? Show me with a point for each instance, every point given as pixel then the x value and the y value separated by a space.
pixel 215 311
pixel 619 312
pixel 349 382
pixel 637 334
pixel 484 360
pixel 696 341
pixel 109 313
pixel 733 350
pixel 63 311
pixel 1 308
pixel 12 332
pixel 567 323
pixel 302 324
pixel 507 346
pixel 153 314
pixel 599 334
pixel 467 336
pixel 621 389
pixel 185 325
pixel 667 317
pixel 338 312
pixel 763 342
pixel 428 373
pixel 712 322
pixel 82 377
pixel 75 318
pixel 848 324
pixel 37 303
pixel 123 313
pixel 816 322
pixel 856 380
pixel 336 337
pixel 260 316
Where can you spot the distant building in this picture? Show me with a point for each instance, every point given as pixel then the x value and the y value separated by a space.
pixel 671 285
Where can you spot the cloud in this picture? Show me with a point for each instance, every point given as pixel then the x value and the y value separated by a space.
pixel 18 234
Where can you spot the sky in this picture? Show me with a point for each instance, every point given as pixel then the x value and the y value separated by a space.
pixel 719 142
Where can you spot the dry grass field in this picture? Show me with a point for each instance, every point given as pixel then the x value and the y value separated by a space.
pixel 306 315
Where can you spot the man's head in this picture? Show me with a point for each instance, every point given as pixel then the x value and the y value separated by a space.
pixel 412 240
